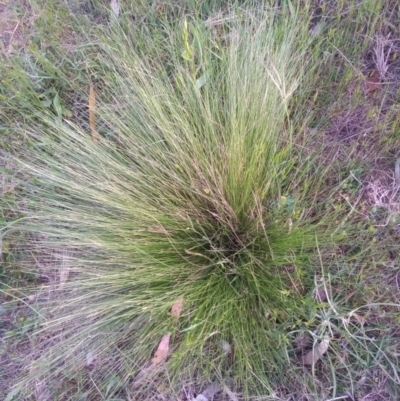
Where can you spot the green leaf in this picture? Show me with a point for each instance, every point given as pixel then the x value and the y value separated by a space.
pixel 57 105
pixel 5 246
pixel 115 8
pixel 67 112
pixel 46 103
pixel 201 81
pixel 12 394
pixel 290 203
pixel 187 54
pixel 113 383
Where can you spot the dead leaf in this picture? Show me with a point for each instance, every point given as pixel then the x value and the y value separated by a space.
pixel 231 395
pixel 90 358
pixel 92 113
pixel 31 298
pixel 177 308
pixel 319 294
pixel 65 268
pixel 322 290
pixel 64 273
pixel 397 171
pixel 115 7
pixel 189 252
pixel 142 376
pixel 162 350
pixel 226 347
pixel 359 319
pixel 316 353
pixel 211 390
pixel 302 341
pixel 200 397
pixel 373 81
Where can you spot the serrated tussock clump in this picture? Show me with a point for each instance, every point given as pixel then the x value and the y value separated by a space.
pixel 199 184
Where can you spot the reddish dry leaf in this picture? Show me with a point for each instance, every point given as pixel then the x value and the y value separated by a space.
pixel 373 81
pixel 312 357
pixel 177 308
pixel 162 350
pixel 92 113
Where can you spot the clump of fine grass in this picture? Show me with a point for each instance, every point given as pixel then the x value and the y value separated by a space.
pixel 202 186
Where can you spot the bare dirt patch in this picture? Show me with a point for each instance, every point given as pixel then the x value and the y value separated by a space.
pixel 11 26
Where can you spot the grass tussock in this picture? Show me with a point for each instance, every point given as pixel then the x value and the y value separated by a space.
pixel 195 176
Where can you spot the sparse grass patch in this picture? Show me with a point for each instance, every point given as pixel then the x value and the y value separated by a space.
pixel 200 174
